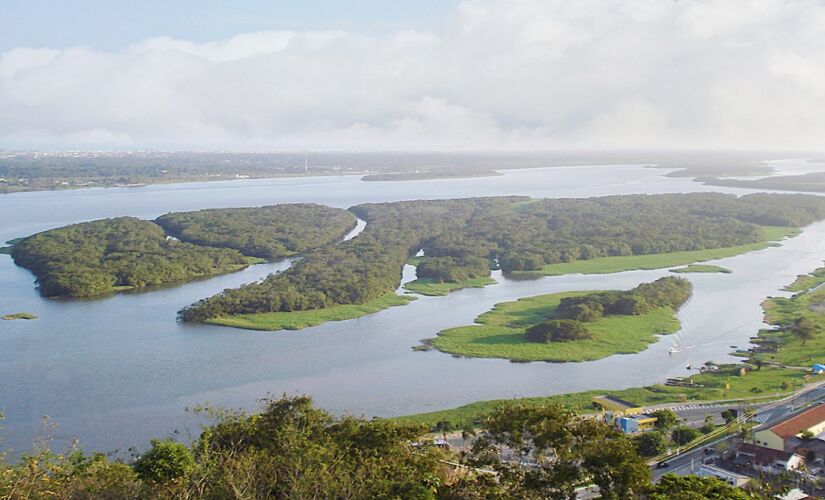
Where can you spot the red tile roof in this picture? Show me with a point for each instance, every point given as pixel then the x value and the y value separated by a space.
pixel 800 422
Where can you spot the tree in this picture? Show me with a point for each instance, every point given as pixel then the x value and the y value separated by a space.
pixel 557 330
pixel 683 435
pixel 708 425
pixel 651 444
pixel 730 415
pixel 566 450
pixel 804 329
pixel 673 487
pixel 165 461
pixel 665 418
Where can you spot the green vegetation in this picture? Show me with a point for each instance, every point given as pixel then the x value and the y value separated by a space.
pixel 270 232
pixel 459 236
pixel 755 380
pixel 812 182
pixel 292 449
pixel 104 256
pixel 799 323
pixel 511 329
pixel 701 268
pixel 20 315
pixel 767 383
pixel 431 287
pixel 296 320
pixel 807 281
pixel 606 265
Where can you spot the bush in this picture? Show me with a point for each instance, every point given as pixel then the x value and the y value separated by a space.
pixel 684 435
pixel 165 461
pixel 557 330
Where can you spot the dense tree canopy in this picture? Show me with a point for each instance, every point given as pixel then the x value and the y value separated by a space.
pixel 94 258
pixel 568 320
pixel 267 232
pixel 458 236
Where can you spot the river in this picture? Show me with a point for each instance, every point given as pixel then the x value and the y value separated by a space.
pixel 117 371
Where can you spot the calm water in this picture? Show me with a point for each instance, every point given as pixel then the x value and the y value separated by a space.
pixel 119 370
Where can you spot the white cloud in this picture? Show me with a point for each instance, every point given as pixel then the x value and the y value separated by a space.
pixel 509 74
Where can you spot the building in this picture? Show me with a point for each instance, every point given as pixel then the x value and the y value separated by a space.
pixel 727 476
pixel 768 460
pixel 616 406
pixel 818 368
pixel 635 423
pixel 785 436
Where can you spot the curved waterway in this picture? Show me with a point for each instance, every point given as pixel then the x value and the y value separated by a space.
pixel 119 370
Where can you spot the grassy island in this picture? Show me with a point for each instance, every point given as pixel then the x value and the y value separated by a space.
pixel 505 331
pixel 433 288
pixel 296 320
pixel 778 365
pixel 701 268
pixel 20 315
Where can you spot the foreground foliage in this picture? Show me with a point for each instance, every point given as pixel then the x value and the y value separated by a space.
pixel 294 450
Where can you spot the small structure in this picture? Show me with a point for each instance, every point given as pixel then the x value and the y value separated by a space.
pixel 732 478
pixel 785 435
pixel 635 423
pixel 768 460
pixel 818 368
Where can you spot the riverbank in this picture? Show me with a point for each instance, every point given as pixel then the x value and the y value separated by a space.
pixel 606 265
pixel 701 268
pixel 297 320
pixel 499 333
pixel 754 379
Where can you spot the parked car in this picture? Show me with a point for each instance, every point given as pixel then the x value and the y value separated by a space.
pixel 662 465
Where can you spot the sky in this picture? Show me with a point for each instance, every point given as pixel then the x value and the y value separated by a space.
pixel 255 75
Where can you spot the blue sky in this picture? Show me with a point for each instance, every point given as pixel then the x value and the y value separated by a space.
pixel 114 24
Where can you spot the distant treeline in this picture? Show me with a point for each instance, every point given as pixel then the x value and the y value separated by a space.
pixel 568 320
pixel 519 234
pixel 267 232
pixel 99 257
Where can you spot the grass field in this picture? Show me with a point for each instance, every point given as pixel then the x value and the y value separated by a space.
pixel 296 320
pixel 701 268
pixel 808 302
pixel 766 383
pixel 20 315
pixel 605 265
pixel 499 333
pixel 427 286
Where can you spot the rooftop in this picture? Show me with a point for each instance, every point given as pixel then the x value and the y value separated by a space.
pixel 762 455
pixel 800 422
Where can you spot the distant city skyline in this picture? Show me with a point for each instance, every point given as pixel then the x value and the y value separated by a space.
pixel 255 75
